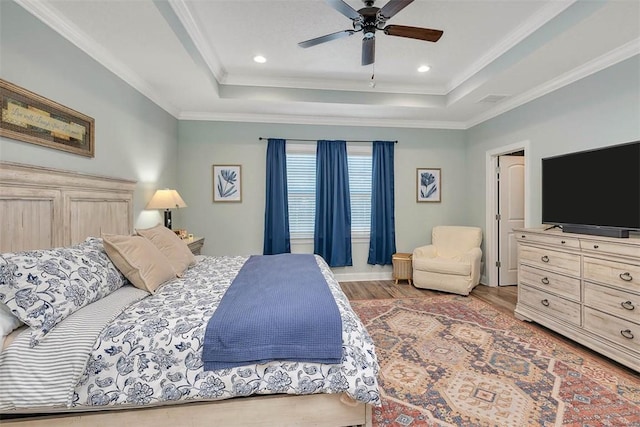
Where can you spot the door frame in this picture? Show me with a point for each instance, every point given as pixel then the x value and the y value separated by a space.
pixel 490 276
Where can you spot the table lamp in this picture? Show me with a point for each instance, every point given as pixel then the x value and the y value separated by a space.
pixel 166 199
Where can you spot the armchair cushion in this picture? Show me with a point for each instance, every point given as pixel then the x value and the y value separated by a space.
pixel 451 241
pixel 443 266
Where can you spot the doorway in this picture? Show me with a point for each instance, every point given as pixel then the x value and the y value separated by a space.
pixel 507 192
pixel 510 214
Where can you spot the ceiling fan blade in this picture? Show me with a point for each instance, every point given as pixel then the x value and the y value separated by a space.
pixel 393 7
pixel 326 38
pixel 425 34
pixel 344 9
pixel 368 50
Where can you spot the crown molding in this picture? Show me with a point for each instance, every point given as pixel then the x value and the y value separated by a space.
pixel 201 43
pixel 352 85
pixel 540 18
pixel 52 18
pixel 316 120
pixel 609 59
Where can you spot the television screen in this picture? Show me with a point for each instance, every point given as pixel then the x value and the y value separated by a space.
pixel 597 188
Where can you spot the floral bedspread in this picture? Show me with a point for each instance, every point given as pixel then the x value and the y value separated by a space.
pixel 151 353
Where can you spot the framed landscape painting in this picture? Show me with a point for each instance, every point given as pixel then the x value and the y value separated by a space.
pixel 227 183
pixel 428 185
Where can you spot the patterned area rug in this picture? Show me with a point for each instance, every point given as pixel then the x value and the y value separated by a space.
pixel 449 360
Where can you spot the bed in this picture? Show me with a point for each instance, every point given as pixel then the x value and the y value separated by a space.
pixel 110 379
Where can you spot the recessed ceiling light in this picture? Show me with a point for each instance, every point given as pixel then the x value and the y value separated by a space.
pixel 260 59
pixel 423 68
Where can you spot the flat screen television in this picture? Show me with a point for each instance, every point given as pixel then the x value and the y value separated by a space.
pixel 593 192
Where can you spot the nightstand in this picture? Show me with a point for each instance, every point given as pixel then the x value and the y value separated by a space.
pixel 195 244
pixel 402 267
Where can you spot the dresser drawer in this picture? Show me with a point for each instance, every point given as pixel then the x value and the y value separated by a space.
pixel 625 276
pixel 555 240
pixel 550 305
pixel 612 328
pixel 559 262
pixel 613 301
pixel 565 286
pixel 600 247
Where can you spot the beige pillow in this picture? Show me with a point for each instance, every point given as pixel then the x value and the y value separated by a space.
pixel 139 260
pixel 172 246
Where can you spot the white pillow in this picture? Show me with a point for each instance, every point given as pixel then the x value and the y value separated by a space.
pixel 8 323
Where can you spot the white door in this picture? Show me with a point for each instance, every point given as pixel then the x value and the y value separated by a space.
pixel 510 216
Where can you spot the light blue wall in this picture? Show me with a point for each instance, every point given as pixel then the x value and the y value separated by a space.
pixel 134 138
pixel 599 110
pixel 237 228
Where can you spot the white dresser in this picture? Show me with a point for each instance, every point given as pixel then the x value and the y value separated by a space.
pixel 584 287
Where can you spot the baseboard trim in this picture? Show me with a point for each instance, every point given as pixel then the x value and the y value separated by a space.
pixel 363 277
pixel 485 281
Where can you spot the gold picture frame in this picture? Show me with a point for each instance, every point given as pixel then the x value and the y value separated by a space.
pixel 227 183
pixel 29 117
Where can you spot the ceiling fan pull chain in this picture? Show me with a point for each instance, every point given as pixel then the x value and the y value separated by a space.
pixel 372 83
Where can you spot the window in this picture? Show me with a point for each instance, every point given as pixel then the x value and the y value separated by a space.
pixel 301 183
pixel 360 193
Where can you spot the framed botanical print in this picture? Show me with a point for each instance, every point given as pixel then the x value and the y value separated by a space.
pixel 428 185
pixel 227 183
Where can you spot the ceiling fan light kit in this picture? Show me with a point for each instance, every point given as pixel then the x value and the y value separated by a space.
pixel 370 19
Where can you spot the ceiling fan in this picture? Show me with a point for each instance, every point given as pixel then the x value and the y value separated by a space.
pixel 368 20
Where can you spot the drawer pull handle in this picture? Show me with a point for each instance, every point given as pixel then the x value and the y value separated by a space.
pixel 546 259
pixel 563 242
pixel 626 276
pixel 627 334
pixel 544 280
pixel 627 305
pixel 545 302
pixel 523 236
pixel 595 246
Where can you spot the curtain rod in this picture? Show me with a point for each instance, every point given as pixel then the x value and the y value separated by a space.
pixel 313 140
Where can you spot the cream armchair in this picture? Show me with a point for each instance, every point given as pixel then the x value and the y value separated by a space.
pixel 451 263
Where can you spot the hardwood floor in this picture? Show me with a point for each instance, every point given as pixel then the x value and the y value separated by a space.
pixel 503 298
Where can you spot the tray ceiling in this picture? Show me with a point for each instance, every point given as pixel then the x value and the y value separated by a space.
pixel 194 58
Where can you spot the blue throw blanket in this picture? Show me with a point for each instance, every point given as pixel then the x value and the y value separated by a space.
pixel 279 307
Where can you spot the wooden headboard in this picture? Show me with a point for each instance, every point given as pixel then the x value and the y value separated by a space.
pixel 47 208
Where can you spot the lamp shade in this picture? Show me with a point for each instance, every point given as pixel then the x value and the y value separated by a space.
pixel 166 199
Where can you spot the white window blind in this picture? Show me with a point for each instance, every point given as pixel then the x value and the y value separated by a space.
pixel 360 191
pixel 301 185
pixel 301 182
